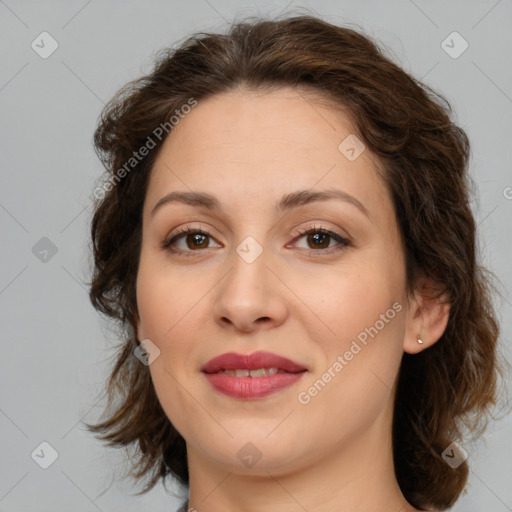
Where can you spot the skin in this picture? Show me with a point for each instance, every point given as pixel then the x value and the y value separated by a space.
pixel 248 149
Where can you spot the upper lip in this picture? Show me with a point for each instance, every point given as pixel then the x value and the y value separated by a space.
pixel 254 361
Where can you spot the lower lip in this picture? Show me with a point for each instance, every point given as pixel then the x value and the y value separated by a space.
pixel 250 388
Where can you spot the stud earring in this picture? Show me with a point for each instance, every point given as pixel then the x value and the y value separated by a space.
pixel 420 341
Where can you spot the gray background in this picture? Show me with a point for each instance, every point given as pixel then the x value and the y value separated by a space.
pixel 55 348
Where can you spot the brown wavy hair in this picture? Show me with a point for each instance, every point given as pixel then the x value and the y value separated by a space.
pixel 445 392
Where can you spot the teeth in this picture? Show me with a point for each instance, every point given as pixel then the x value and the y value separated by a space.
pixel 260 372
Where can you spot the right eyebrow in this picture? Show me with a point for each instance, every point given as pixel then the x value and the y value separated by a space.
pixel 191 198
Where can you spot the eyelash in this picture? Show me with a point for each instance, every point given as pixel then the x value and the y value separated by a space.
pixel 343 242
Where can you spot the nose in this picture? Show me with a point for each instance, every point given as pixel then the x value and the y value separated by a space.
pixel 251 296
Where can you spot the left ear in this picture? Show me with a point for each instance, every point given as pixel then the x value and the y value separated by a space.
pixel 429 311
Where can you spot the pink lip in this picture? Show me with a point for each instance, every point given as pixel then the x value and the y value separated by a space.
pixel 251 387
pixel 234 361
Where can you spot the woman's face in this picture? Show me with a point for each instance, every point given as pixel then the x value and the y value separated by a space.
pixel 246 279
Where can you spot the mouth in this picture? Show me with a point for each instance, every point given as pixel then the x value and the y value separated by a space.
pixel 253 376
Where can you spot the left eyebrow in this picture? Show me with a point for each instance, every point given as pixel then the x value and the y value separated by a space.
pixel 287 202
pixel 302 197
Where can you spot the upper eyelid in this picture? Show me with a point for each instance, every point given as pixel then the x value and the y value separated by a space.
pixel 299 232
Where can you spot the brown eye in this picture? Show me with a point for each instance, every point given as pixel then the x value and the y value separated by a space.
pixel 194 239
pixel 319 241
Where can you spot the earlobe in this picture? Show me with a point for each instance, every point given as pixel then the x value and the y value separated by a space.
pixel 429 315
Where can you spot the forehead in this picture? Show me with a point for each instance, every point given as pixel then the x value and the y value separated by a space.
pixel 248 144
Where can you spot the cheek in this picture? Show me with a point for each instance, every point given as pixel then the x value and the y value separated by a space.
pixel 167 311
pixel 364 344
pixel 164 322
pixel 353 385
pixel 166 298
pixel 168 305
pixel 351 300
pixel 362 320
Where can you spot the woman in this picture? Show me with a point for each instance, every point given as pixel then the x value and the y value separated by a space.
pixel 285 233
